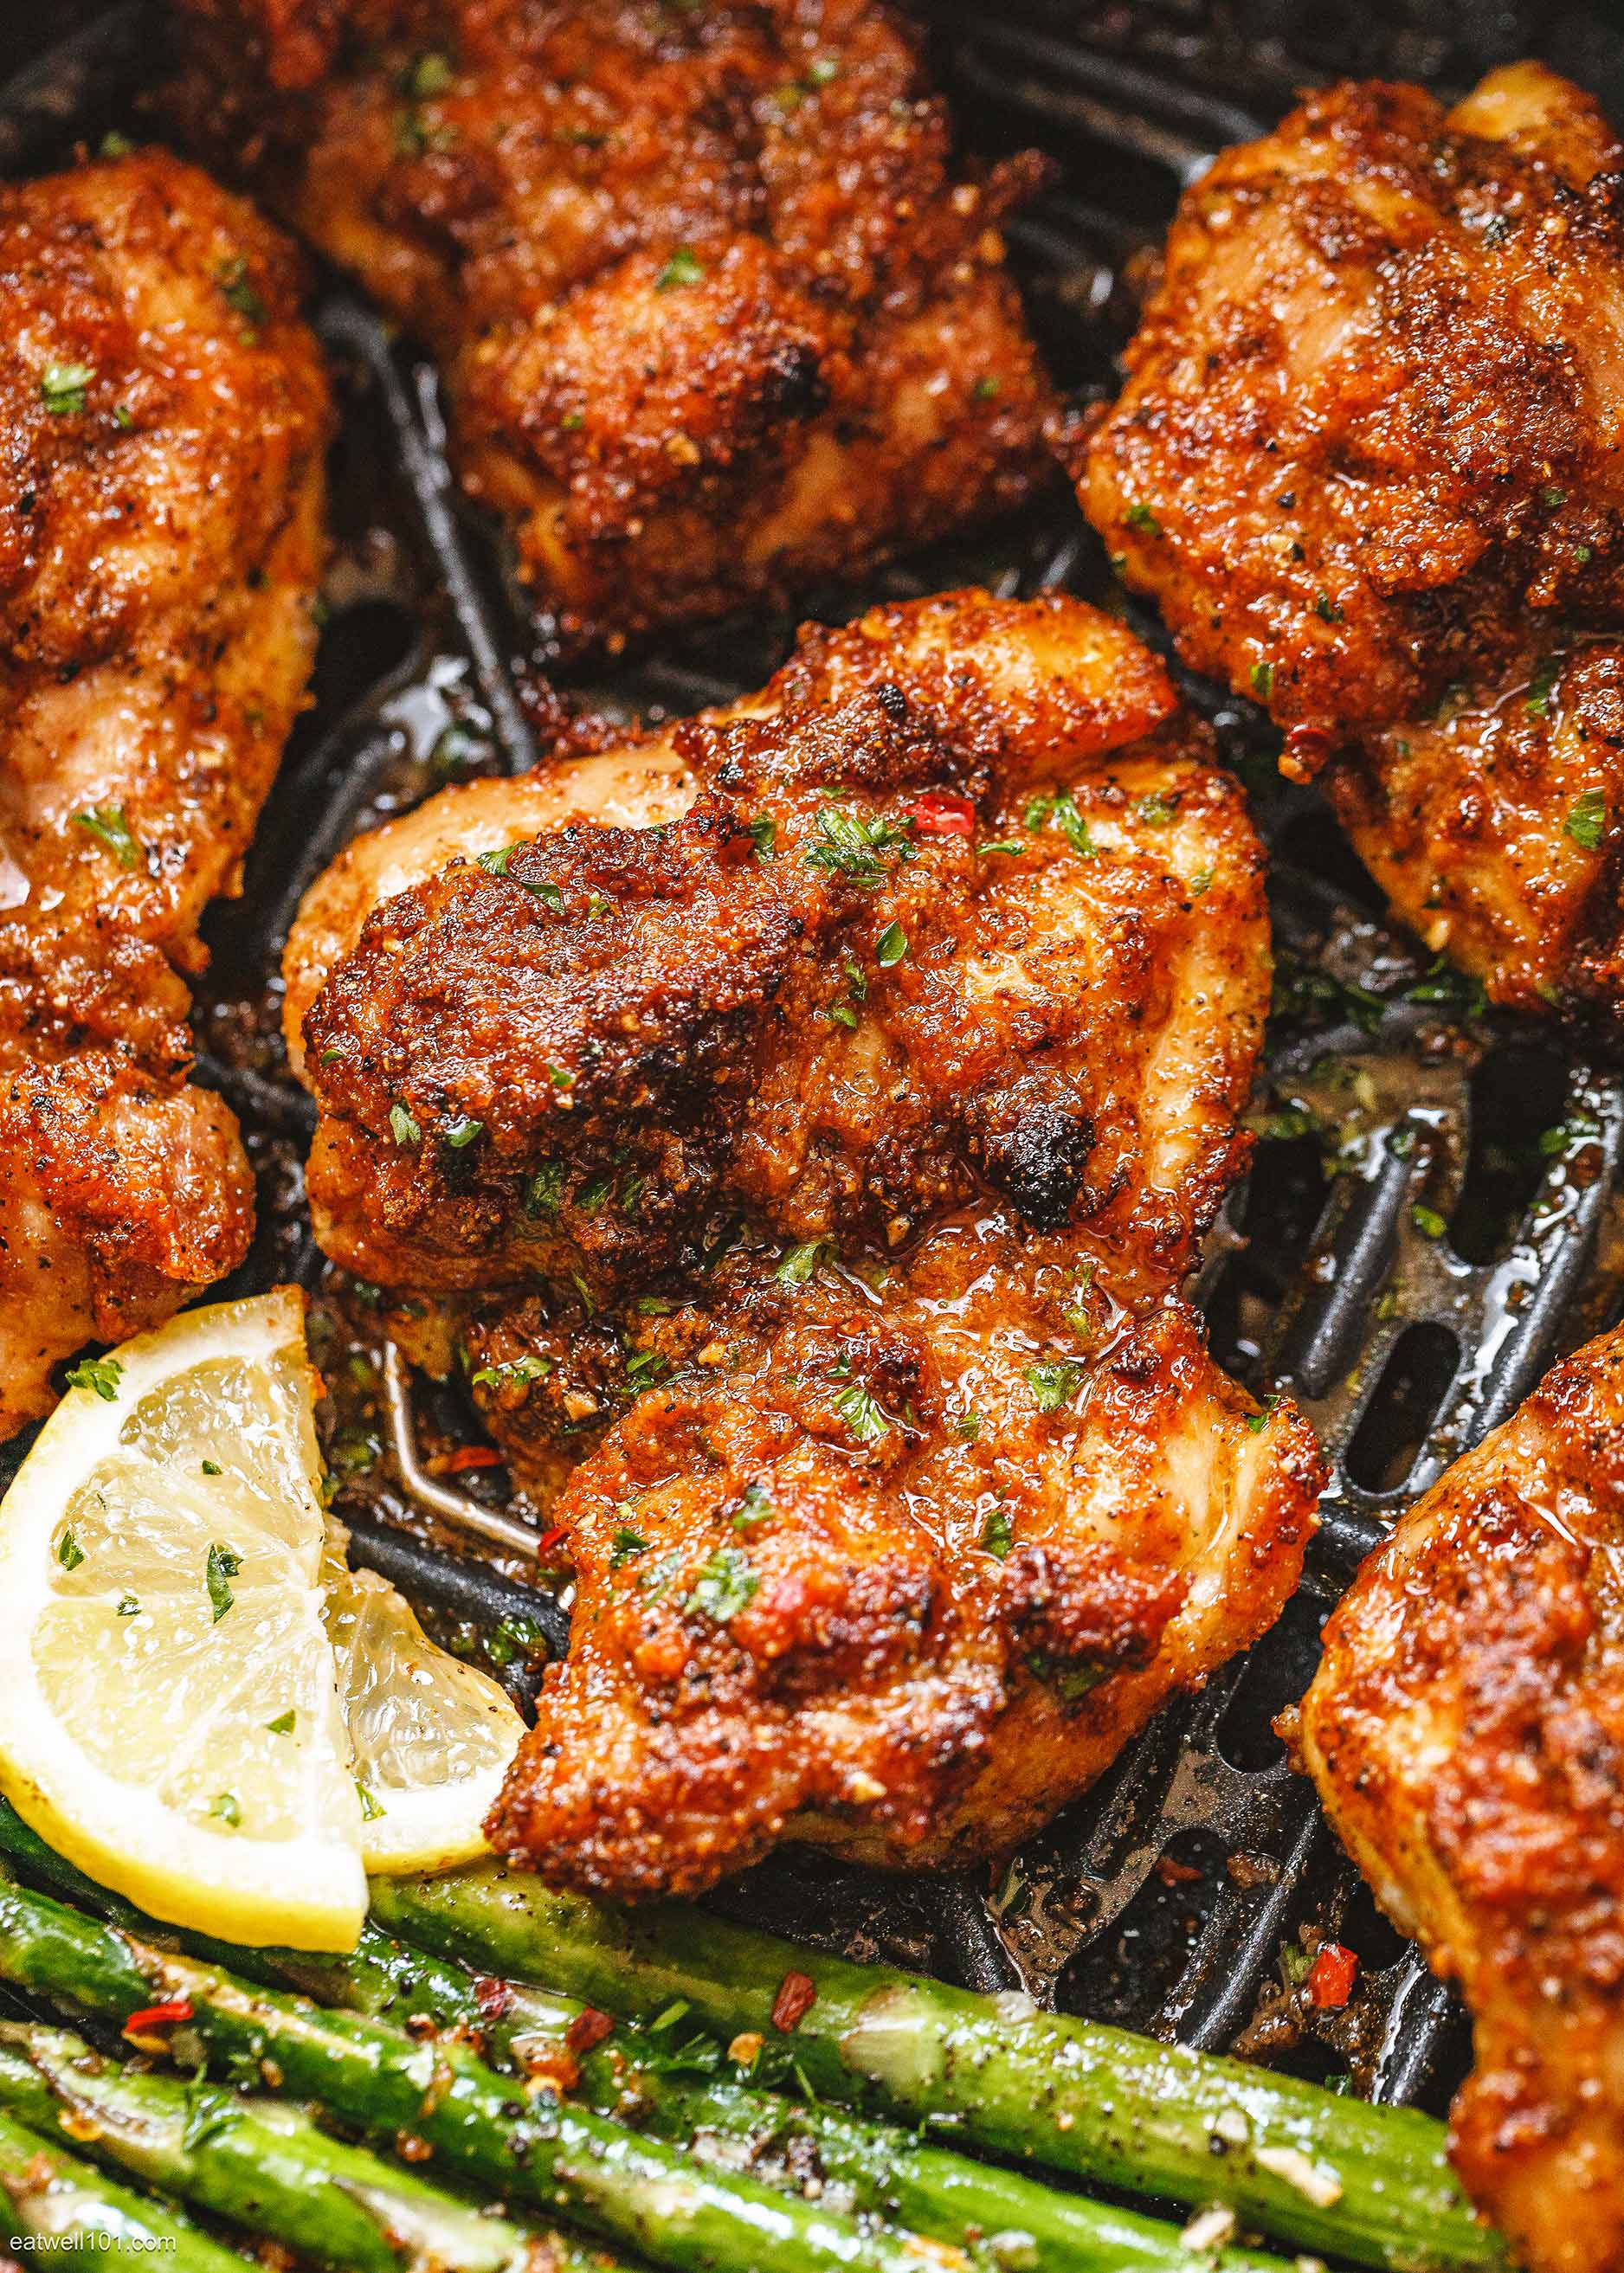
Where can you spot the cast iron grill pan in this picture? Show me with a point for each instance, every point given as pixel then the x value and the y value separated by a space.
pixel 1181 1896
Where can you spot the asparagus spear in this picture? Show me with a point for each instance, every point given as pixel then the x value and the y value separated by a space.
pixel 1323 2172
pixel 57 2200
pixel 261 2166
pixel 881 2169
pixel 436 2098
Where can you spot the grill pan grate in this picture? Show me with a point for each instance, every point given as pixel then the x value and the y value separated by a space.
pixel 1433 1215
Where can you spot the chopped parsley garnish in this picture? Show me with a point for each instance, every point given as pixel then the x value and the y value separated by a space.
pixel 1262 676
pixel 1155 811
pixel 1542 686
pixel 238 293
pixel 1199 883
pixel 224 1806
pixel 128 1607
pixel 985 389
pixel 460 1133
pixel 455 750
pixel 892 946
pixel 683 267
pixel 861 1414
pixel 551 896
pixel 61 388
pixel 1553 497
pixel 1256 1422
pixel 370 1809
pixel 543 1194
pixel 626 1543
pixel 428 75
pixel 514 1373
pixel 114 145
pixel 495 861
pixel 645 1368
pixel 1580 1130
pixel 1058 809
pixel 1587 819
pixel 595 1191
pixel 560 1077
pixel 852 845
pixel 102 1374
pixel 725 1585
pixel 763 833
pixel 967 1426
pixel 1326 609
pixel 403 1128
pixel 1053 1382
pixel 803 1262
pixel 755 1507
pixel 1444 985
pixel 282 1725
pixel 1013 846
pixel 69 1554
pixel 1428 1222
pixel 1070 1683
pixel 107 823
pixel 211 1467
pixel 1139 516
pixel 998 1533
pixel 1282 1127
pixel 223 1565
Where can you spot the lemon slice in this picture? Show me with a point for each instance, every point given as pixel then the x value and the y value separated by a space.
pixel 206 1710
pixel 431 1738
pixel 170 1720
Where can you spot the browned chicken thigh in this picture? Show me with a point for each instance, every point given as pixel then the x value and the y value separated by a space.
pixel 842 1104
pixel 160 491
pixel 715 314
pixel 1370 462
pixel 1466 1730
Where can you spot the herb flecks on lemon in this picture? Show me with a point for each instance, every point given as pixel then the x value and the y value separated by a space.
pixel 205 1710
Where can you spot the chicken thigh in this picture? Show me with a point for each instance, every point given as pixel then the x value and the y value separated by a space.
pixel 715 313
pixel 160 505
pixel 840 1106
pixel 1369 461
pixel 1466 1730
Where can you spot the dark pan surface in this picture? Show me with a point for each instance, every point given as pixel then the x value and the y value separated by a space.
pixel 1181 1897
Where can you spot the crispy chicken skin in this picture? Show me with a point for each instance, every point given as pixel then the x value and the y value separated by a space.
pixel 1371 426
pixel 851 1073
pixel 715 317
pixel 874 968
pixel 161 493
pixel 1466 1730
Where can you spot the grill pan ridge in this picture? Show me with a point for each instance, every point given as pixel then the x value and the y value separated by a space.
pixel 1437 1207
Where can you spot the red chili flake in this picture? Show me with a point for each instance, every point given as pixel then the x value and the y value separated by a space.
pixel 1306 750
pixel 589 2028
pixel 491 1996
pixel 938 813
pixel 470 1456
pixel 797 1995
pixel 157 2017
pixel 1331 1976
pixel 549 1539
pixel 1173 1873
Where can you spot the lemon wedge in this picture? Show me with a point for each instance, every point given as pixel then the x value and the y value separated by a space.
pixel 189 1649
pixel 430 1738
